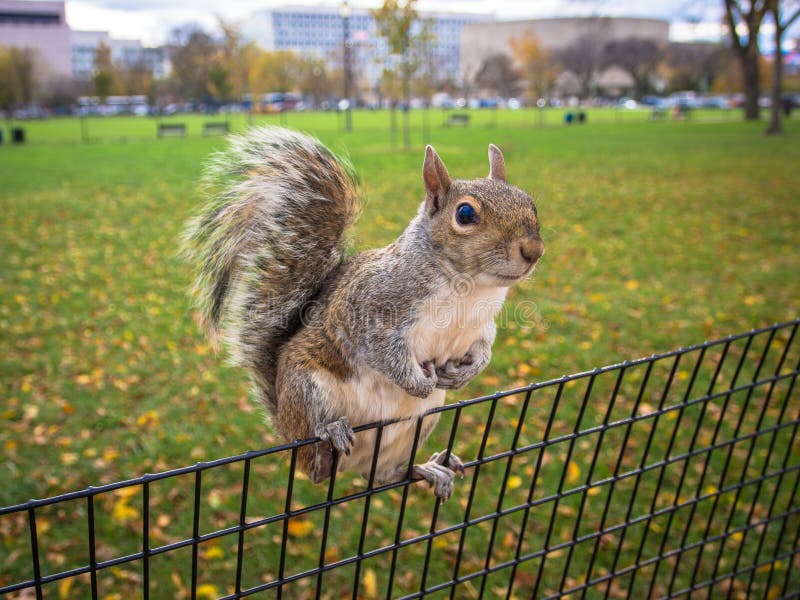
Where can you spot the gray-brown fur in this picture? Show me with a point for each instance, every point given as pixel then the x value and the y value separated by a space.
pixel 271 233
pixel 333 342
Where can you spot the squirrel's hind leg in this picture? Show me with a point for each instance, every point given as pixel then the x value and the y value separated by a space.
pixel 440 472
pixel 439 475
pixel 307 409
pixel 336 435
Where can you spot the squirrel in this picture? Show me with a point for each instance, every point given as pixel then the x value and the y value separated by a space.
pixel 333 339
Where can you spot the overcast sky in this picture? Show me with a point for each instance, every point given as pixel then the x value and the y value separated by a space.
pixel 151 20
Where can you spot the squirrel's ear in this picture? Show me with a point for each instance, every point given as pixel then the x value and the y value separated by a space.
pixel 497 165
pixel 437 179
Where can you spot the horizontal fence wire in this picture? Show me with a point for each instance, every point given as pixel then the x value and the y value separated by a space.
pixel 671 476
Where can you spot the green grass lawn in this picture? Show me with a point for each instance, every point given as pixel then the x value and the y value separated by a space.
pixel 658 235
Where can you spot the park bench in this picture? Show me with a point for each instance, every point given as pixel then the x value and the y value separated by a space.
pixel 215 128
pixel 171 130
pixel 457 119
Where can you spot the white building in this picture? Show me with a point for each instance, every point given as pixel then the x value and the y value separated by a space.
pixel 65 54
pixel 126 53
pixel 41 26
pixel 319 31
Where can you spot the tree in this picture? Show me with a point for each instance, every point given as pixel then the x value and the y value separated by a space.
pixel 235 58
pixel 782 22
pixel 219 81
pixel 135 78
pixel 19 77
pixel 8 99
pixel 394 21
pixel 498 74
pixel 103 73
pixel 192 56
pixel 584 57
pixel 743 27
pixel 277 71
pixel 60 93
pixel 314 80
pixel 536 65
pixel 695 66
pixel 427 77
pixel 638 57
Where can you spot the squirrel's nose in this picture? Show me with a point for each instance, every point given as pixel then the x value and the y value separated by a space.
pixel 531 248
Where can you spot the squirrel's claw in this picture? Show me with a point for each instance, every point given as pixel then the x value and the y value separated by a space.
pixel 456 372
pixel 420 383
pixel 453 462
pixel 439 477
pixel 338 433
pixel 440 472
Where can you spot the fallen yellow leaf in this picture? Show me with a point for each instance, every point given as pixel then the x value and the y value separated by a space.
pixel 69 458
pixel 64 587
pixel 149 418
pixel 213 552
pixel 207 590
pixel 370 583
pixel 440 543
pixel 112 454
pixel 300 527
pixel 123 512
pixel 573 472
pixel 127 492
pixel 490 380
pixel 596 297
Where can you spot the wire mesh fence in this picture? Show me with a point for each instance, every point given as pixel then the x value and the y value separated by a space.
pixel 671 476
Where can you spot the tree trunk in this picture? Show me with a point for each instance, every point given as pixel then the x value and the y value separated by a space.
pixel 393 119
pixel 407 108
pixel 749 61
pixel 774 127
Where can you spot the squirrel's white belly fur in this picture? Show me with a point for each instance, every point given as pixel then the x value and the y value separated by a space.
pixel 387 402
pixel 450 322
pixel 447 327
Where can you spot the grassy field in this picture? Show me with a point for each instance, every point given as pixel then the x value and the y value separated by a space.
pixel 658 235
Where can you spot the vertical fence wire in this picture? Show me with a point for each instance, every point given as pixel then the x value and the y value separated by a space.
pixel 146 539
pixel 501 495
pixel 663 477
pixel 37 573
pixel 471 497
pixel 365 518
pixel 198 487
pixel 242 521
pixel 402 513
pixel 534 479
pixel 92 544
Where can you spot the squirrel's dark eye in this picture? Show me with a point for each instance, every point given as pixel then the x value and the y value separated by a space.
pixel 466 215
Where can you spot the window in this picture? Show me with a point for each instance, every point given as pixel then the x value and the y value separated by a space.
pixel 29 18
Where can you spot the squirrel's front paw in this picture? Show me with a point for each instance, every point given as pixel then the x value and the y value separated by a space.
pixel 423 382
pixel 456 372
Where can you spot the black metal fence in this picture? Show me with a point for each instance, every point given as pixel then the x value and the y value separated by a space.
pixel 671 476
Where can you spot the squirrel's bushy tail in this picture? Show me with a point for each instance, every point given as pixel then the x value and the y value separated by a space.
pixel 272 232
